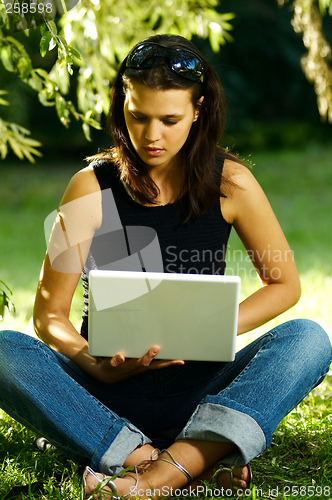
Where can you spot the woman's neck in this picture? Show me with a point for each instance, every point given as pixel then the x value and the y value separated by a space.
pixel 169 179
pixel 169 182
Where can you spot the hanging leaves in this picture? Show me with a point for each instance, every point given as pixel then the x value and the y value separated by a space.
pixel 93 38
pixel 316 64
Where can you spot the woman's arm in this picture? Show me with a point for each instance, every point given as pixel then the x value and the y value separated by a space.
pixel 68 246
pixel 78 217
pixel 248 209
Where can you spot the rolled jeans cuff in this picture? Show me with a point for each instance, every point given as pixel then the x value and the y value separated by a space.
pixel 212 422
pixel 110 457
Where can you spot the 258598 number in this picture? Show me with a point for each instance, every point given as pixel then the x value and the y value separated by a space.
pixel 28 8
pixel 307 491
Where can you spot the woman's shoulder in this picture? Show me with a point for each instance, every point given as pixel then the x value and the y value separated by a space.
pixel 83 183
pixel 88 180
pixel 82 199
pixel 245 192
pixel 238 174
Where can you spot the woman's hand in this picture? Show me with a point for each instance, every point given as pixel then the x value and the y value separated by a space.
pixel 112 370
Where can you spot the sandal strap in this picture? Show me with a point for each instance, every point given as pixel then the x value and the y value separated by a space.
pixel 140 465
pixel 177 465
pixel 223 468
pixel 143 463
pixel 110 484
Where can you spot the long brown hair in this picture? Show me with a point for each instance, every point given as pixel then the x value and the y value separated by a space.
pixel 202 180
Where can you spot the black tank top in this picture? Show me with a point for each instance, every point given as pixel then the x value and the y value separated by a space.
pixel 127 239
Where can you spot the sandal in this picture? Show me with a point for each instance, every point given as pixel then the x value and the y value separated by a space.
pixel 224 468
pixel 177 465
pixel 114 492
pixel 42 444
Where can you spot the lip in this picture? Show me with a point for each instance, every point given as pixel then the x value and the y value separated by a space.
pixel 153 151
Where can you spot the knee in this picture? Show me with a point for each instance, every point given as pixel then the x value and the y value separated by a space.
pixel 11 343
pixel 7 339
pixel 312 339
pixel 6 336
pixel 313 333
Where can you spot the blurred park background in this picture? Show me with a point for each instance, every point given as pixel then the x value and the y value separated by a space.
pixel 273 121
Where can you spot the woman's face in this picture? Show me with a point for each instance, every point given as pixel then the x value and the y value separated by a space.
pixel 158 123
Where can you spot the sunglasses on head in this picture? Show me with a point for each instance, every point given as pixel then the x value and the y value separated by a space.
pixel 182 61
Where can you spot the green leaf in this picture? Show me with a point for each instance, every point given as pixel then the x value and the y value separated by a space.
pixel 45 98
pixel 73 52
pixel 43 29
pixel 18 129
pixel 3 150
pixel 24 67
pixel 14 144
pixel 3 16
pixel 35 82
pixel 52 27
pixel 17 44
pixel 73 110
pixel 5 301
pixel 7 59
pixel 3 102
pixel 62 110
pixel 44 43
pixel 86 130
pixel 3 283
pixel 41 72
pixel 30 142
pixel 2 304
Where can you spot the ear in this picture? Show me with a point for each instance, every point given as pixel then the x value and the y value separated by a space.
pixel 198 108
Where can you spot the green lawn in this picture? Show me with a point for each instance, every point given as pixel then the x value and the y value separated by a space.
pixel 299 186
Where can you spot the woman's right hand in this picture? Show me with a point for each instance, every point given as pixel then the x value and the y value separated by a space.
pixel 117 368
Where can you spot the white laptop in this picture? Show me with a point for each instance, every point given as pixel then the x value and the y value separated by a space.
pixel 189 316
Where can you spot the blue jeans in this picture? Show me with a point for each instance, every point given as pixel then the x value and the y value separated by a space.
pixel 101 424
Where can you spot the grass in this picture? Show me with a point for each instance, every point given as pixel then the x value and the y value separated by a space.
pixel 298 184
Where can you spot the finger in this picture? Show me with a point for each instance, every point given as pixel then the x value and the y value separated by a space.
pixel 147 358
pixel 117 360
pixel 163 363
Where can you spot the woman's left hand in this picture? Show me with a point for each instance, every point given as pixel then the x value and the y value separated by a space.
pixel 117 368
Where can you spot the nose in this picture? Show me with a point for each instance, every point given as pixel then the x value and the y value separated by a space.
pixel 152 131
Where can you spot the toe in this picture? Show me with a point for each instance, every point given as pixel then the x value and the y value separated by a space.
pixel 241 477
pixel 92 479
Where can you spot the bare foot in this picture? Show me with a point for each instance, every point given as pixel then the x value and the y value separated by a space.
pixel 241 477
pixel 222 481
pixel 101 487
pixel 97 487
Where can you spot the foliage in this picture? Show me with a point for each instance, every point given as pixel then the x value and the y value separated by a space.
pixel 4 299
pixel 88 42
pixel 316 65
pixel 95 36
pixel 16 137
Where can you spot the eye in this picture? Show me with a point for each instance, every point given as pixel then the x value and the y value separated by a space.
pixel 170 122
pixel 138 118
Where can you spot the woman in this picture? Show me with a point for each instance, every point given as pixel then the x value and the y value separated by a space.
pixel 165 172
